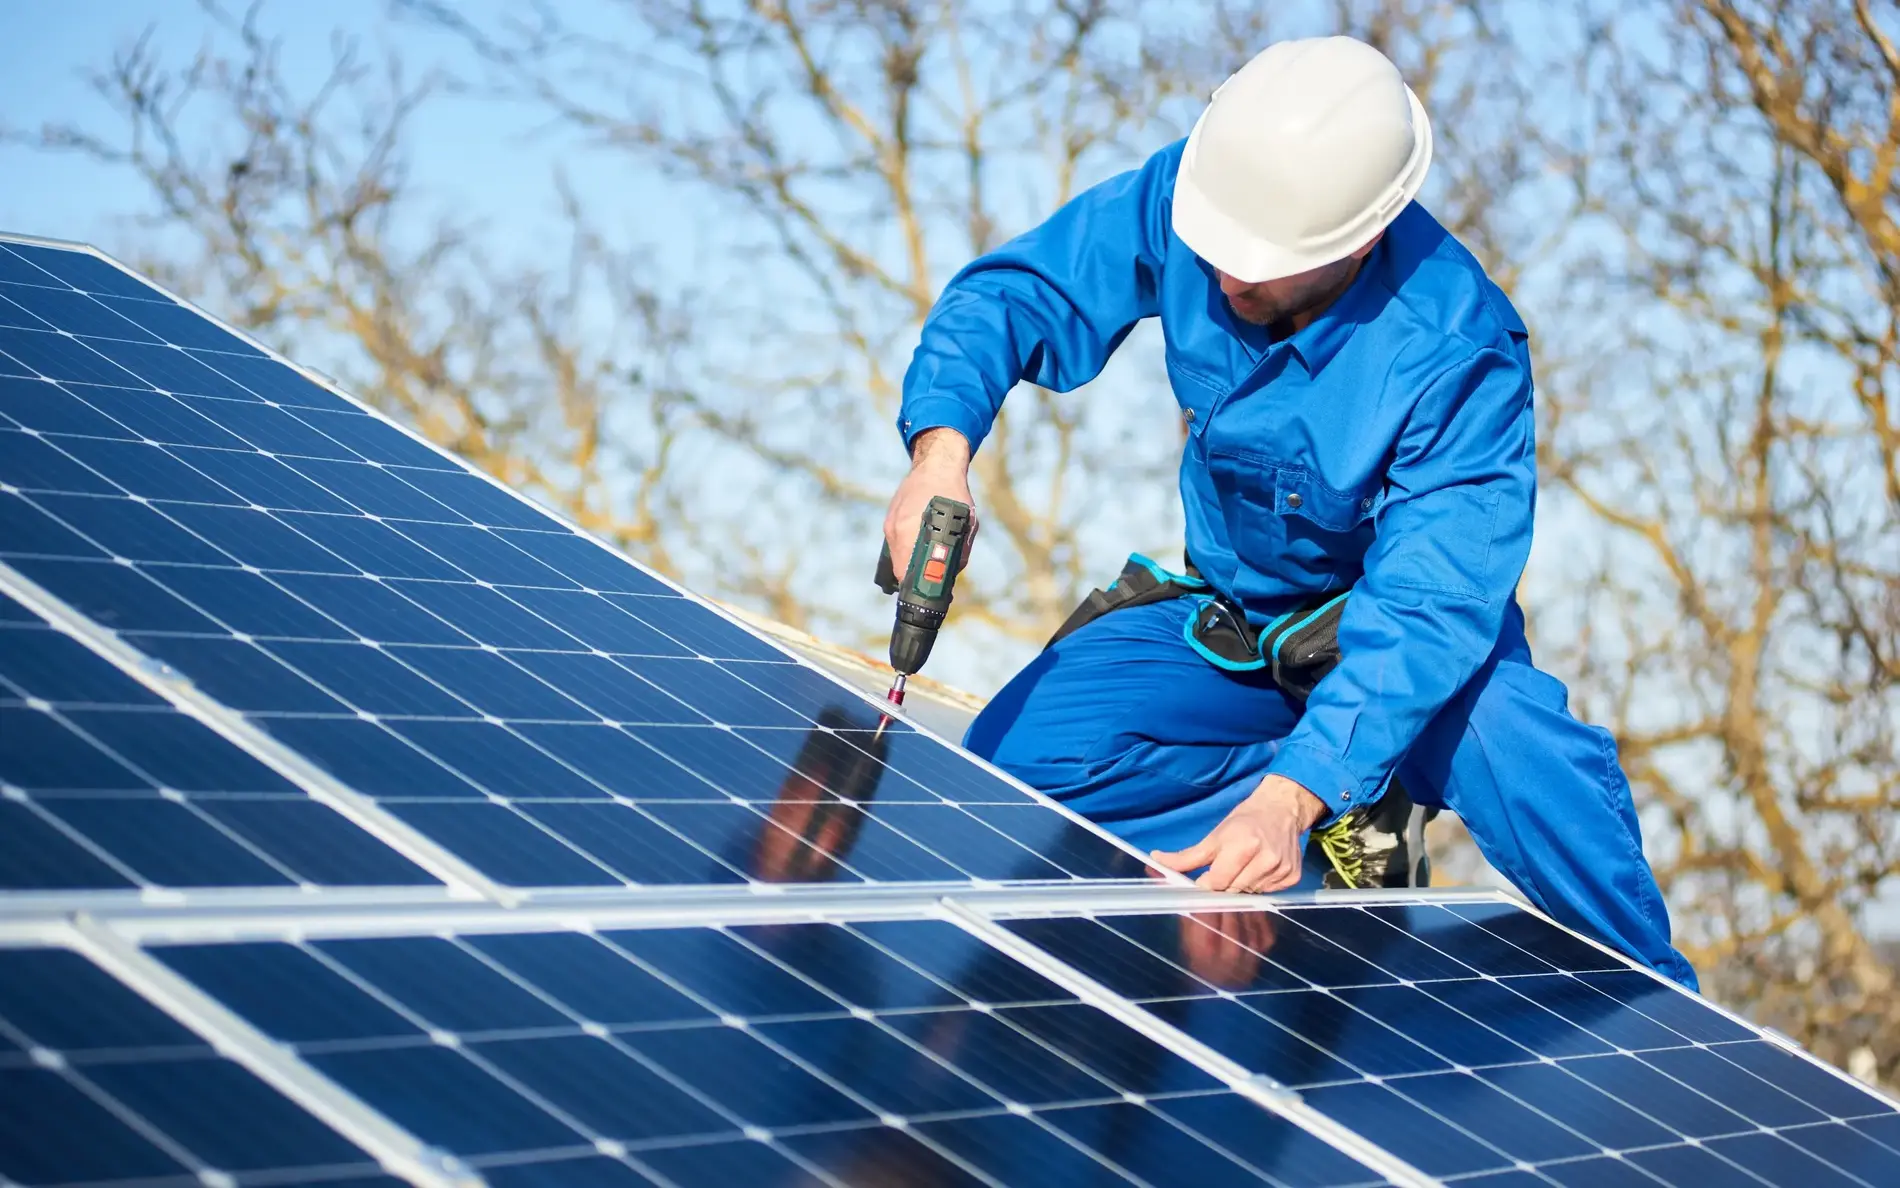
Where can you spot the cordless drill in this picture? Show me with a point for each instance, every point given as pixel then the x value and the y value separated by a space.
pixel 923 597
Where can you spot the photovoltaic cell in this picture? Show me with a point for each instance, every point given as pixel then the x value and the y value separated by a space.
pixel 1479 1040
pixel 97 1086
pixel 103 785
pixel 553 713
pixel 892 1052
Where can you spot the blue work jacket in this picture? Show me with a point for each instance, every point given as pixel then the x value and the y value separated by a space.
pixel 1387 447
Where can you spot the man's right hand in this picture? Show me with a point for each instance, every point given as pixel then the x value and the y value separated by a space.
pixel 939 465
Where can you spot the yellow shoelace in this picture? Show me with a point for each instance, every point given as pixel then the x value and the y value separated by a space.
pixel 1336 842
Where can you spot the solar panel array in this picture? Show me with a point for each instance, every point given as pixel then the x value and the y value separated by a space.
pixel 361 821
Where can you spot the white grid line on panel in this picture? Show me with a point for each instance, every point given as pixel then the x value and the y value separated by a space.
pixel 398 1151
pixel 1261 1089
pixel 459 877
pixel 556 516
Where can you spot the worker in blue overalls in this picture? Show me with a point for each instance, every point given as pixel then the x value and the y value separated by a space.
pixel 1357 401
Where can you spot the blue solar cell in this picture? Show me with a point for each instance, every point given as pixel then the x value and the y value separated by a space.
pixel 81 270
pixel 631 843
pixel 59 357
pixel 245 602
pixel 315 841
pixel 1538 937
pixel 617 761
pixel 240 675
pixel 176 751
pixel 37 404
pixel 369 437
pixel 1709 1074
pixel 589 978
pixel 483 555
pixel 266 482
pixel 40 663
pixel 1849 1150
pixel 1601 1119
pixel 504 845
pixel 1385 946
pixel 51 1133
pixel 747 841
pixel 595 622
pixel 1663 1002
pixel 256 538
pixel 1265 1142
pixel 1779 1162
pixel 1150 1145
pixel 486 681
pixel 892 1154
pixel 269 380
pixel 592 566
pixel 372 489
pixel 370 679
pixel 169 369
pixel 14 269
pixel 1419 1138
pixel 41 754
pixel 36 856
pixel 1015 1150
pixel 848 966
pixel 486 615
pixel 1082 852
pixel 173 323
pixel 1355 1038
pixel 29 463
pixel 1517 1017
pixel 603 1087
pixel 130 530
pixel 1252 1038
pixel 442 1098
pixel 194 1102
pixel 75 313
pixel 116 596
pixel 157 417
pixel 1133 1061
pixel 599 1172
pixel 720 1163
pixel 1457 1037
pixel 500 760
pixel 374 548
pixel 369 608
pixel 166 843
pixel 478 499
pixel 145 470
pixel 1222 950
pixel 444 985
pixel 1628 1079
pixel 287 992
pixel 1124 968
pixel 604 687
pixel 27 531
pixel 751 1080
pixel 724 972
pixel 962 962
pixel 1004 1059
pixel 59 1000
pixel 370 759
pixel 270 429
pixel 715 693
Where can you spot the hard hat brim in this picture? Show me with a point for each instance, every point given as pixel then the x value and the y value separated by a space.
pixel 1251 258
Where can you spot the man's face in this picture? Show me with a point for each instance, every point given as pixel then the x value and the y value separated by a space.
pixel 1272 301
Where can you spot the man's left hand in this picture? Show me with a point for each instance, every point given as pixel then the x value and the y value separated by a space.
pixel 1257 847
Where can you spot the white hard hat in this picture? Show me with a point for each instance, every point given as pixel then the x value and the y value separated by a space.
pixel 1302 157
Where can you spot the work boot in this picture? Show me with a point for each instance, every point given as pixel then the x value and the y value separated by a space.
pixel 1372 846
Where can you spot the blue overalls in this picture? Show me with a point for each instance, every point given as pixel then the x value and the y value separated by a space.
pixel 1385 449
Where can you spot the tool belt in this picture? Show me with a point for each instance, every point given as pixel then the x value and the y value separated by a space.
pixel 1297 649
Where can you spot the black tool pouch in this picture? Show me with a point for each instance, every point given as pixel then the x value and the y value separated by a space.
pixel 1302 647
pixel 1141 582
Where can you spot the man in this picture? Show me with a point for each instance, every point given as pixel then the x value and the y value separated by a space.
pixel 1357 399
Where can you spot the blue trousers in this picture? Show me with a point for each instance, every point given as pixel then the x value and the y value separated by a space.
pixel 1128 726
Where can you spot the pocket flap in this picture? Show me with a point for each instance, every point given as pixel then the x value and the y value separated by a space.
pixel 1298 492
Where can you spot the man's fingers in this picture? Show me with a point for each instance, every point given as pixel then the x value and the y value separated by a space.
pixel 1193 858
pixel 1235 854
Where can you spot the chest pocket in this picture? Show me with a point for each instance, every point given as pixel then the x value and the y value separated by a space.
pixel 1291 528
pixel 1197 393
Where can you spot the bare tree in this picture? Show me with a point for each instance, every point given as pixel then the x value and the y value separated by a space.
pixel 1733 450
pixel 860 153
pixel 291 214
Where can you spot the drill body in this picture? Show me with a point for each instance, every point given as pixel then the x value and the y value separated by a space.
pixel 923 596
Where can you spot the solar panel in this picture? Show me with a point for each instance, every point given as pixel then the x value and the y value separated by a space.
pixel 99 1086
pixel 416 834
pixel 1475 1038
pixel 545 710
pixel 894 1051
pixel 104 785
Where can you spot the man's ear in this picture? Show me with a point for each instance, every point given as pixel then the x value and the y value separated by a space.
pixel 1365 251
